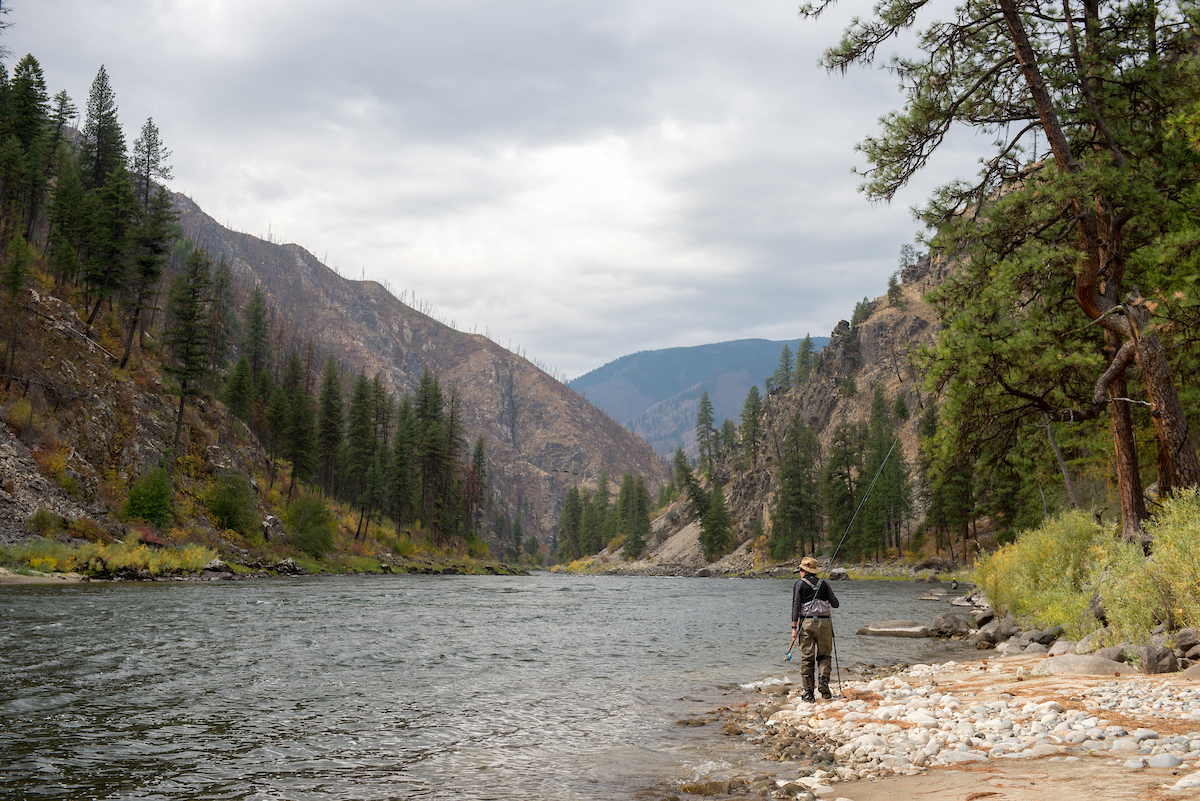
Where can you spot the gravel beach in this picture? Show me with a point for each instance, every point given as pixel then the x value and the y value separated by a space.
pixel 1002 728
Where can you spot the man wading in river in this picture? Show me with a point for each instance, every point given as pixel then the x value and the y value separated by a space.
pixel 812 599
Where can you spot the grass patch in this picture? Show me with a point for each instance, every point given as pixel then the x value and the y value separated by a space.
pixel 103 559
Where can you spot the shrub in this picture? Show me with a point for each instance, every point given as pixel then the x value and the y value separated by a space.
pixel 477 548
pixel 1050 574
pixel 43 522
pixel 311 525
pixel 1141 593
pixel 84 528
pixel 150 499
pixel 232 502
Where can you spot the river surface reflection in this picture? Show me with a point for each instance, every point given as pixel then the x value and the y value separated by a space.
pixel 388 687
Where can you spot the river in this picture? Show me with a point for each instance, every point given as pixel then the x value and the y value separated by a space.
pixel 391 687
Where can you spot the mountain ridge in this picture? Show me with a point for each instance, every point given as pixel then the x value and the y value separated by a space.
pixel 656 393
pixel 539 435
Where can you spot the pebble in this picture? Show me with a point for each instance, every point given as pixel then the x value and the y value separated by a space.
pixel 911 725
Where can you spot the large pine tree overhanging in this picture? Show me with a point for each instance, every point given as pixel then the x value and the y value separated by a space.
pixel 1097 82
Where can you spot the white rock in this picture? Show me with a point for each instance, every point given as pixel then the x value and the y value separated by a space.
pixel 1190 780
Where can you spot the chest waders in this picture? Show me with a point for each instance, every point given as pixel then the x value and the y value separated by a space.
pixel 815 631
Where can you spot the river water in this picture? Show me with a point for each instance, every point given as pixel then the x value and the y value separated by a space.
pixel 392 687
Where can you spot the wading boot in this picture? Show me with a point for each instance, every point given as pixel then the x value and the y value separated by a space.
pixel 823 687
pixel 808 694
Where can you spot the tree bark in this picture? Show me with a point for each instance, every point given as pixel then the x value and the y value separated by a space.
pixel 1177 463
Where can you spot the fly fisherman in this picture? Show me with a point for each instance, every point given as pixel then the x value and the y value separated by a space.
pixel 812 599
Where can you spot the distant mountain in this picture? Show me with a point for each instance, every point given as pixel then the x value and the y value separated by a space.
pixel 656 393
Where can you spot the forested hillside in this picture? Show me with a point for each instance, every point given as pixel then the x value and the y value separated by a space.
pixel 158 365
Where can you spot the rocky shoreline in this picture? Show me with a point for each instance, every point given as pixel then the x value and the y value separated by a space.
pixel 995 714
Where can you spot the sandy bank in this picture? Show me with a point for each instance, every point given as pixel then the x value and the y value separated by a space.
pixel 9 577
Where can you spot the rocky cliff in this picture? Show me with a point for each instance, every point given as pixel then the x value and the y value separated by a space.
pixel 876 352
pixel 540 437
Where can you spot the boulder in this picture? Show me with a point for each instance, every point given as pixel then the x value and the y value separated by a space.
pixel 1192 673
pixel 949 625
pixel 272 530
pixel 1048 636
pixel 1062 647
pixel 288 567
pixel 1193 654
pixel 895 628
pixel 1091 642
pixel 1086 665
pixel 838 574
pixel 216 566
pixel 1114 652
pixel 1007 629
pixel 984 616
pixel 1187 639
pixel 1158 659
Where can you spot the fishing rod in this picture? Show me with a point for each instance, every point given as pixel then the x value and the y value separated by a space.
pixel 829 565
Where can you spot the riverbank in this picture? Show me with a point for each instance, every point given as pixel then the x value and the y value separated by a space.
pixel 991 727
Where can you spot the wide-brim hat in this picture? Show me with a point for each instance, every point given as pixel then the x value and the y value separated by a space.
pixel 809 565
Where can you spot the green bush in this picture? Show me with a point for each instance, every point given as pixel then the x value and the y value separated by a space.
pixel 477 548
pixel 1048 576
pixel 43 522
pixel 232 503
pixel 1165 588
pixel 150 499
pixel 311 525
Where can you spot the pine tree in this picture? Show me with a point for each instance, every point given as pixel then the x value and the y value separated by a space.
pixel 15 275
pixel 360 435
pixel 782 379
pixel 569 521
pixel 239 390
pixel 752 423
pixel 258 331
pixel 683 474
pixel 109 239
pixel 277 416
pixel 797 504
pixel 28 102
pixel 716 529
pixel 222 319
pixel 63 112
pixel 184 337
pixel 401 477
pixel 805 353
pixel 149 161
pixel 329 427
pixel 839 484
pixel 150 242
pixel 1097 220
pixel 639 520
pixel 476 481
pixel 705 434
pixel 103 145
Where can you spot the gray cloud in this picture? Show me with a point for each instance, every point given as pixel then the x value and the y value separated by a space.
pixel 581 179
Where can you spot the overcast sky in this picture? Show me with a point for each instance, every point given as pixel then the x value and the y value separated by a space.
pixel 579 179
